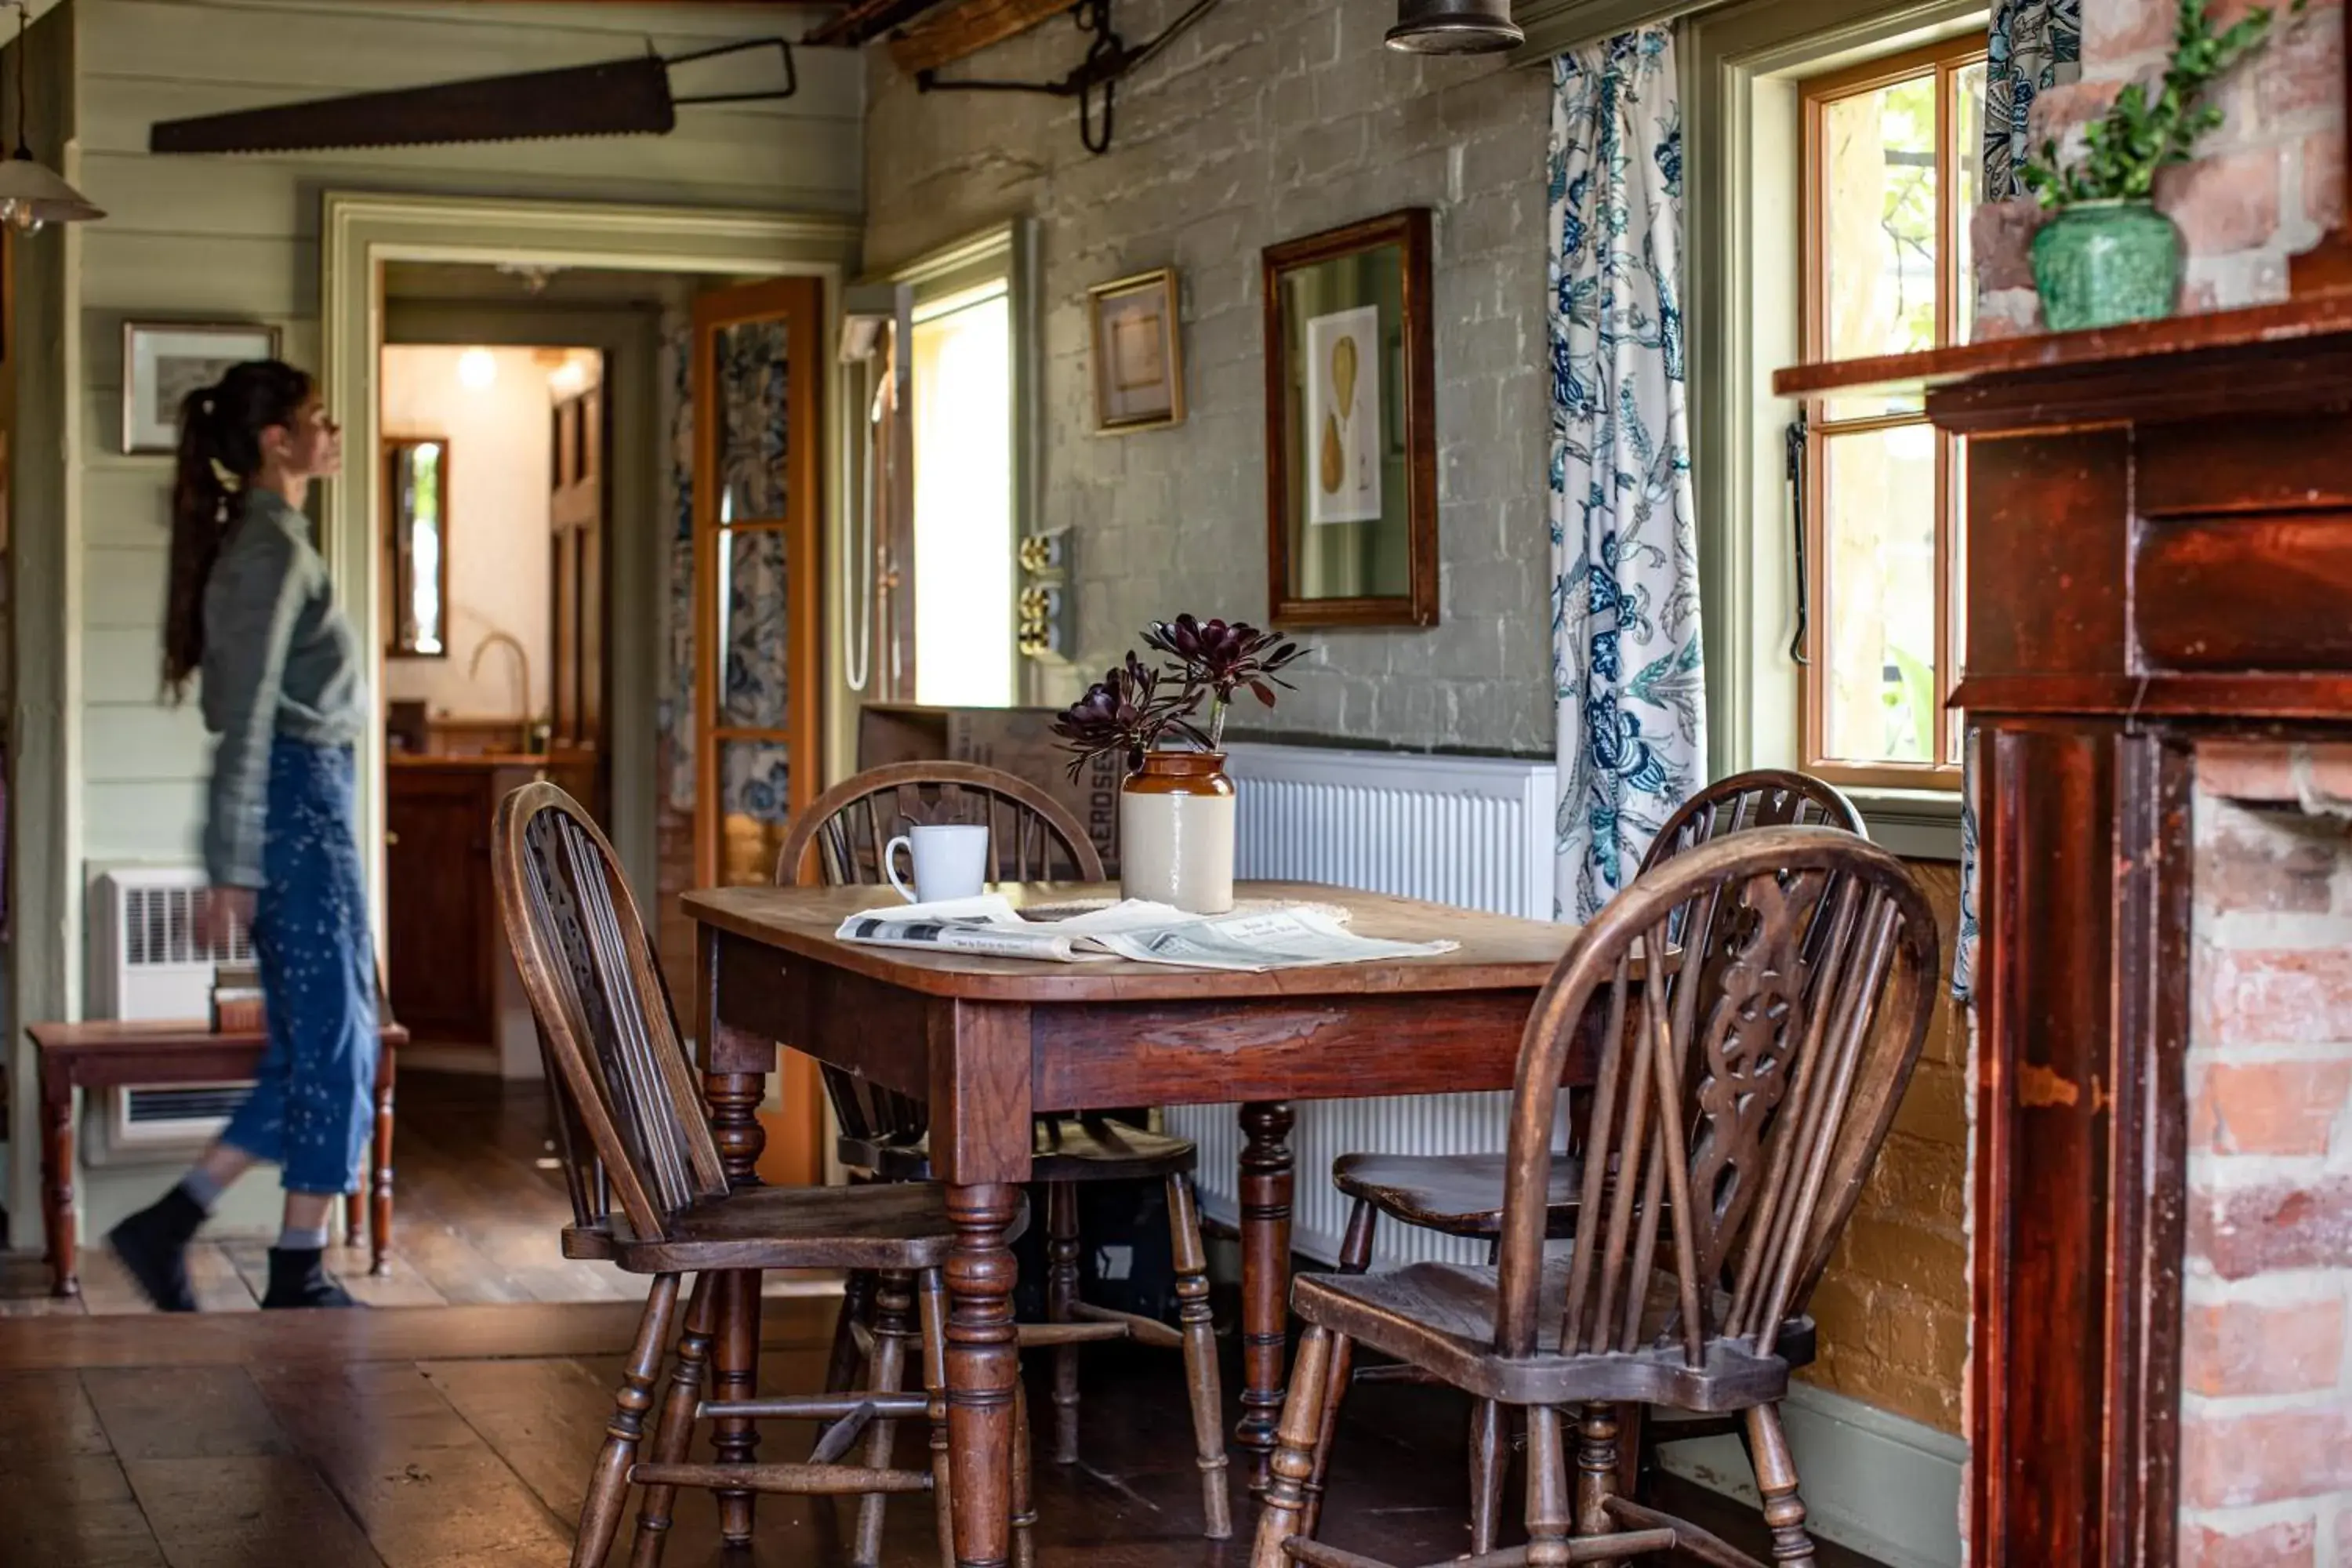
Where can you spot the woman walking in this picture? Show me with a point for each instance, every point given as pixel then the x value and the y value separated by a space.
pixel 251 610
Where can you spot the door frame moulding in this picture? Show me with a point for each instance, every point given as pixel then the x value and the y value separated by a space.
pixel 359 232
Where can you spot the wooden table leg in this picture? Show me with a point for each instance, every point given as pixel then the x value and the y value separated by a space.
pixel 1265 1194
pixel 56 1185
pixel 735 1066
pixel 380 1221
pixel 984 1371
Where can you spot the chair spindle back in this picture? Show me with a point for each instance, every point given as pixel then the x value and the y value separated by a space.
pixel 1031 837
pixel 1783 1027
pixel 1764 797
pixel 631 1122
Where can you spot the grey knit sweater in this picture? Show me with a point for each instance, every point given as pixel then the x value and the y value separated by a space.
pixel 279 660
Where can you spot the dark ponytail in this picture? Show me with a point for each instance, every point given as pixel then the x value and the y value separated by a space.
pixel 220 454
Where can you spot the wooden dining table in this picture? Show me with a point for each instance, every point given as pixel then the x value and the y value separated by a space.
pixel 987 1042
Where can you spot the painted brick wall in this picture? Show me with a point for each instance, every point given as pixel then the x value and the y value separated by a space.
pixel 2266 1431
pixel 2265 186
pixel 1270 120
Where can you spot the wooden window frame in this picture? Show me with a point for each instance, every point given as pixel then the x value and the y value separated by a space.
pixel 1945 59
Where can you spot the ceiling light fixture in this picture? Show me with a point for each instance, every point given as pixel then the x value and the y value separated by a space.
pixel 477 369
pixel 31 193
pixel 1455 27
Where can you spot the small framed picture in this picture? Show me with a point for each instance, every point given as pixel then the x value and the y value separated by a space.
pixel 163 362
pixel 1139 353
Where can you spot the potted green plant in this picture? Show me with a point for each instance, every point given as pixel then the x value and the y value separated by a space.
pixel 2107 256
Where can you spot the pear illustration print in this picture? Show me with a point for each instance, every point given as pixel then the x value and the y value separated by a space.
pixel 1344 403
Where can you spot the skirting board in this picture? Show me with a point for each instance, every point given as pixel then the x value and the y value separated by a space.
pixel 1884 1486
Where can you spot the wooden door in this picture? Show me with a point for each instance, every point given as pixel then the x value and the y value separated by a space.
pixel 443 938
pixel 760 367
pixel 577 602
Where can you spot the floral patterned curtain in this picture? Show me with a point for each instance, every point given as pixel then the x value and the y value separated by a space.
pixel 1626 658
pixel 2034 45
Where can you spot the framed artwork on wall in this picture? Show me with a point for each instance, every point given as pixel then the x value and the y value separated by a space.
pixel 1351 426
pixel 163 362
pixel 1139 353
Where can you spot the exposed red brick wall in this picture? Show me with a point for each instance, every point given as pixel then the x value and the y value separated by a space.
pixel 2266 1374
pixel 2264 185
pixel 1894 1308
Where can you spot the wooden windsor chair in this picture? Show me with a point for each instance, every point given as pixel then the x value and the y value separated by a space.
pixel 1462 1195
pixel 649 1193
pixel 1744 1093
pixel 883 1133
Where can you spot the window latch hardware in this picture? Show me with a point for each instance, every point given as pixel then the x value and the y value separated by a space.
pixel 1796 440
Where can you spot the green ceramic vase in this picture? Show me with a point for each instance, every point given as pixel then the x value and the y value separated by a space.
pixel 2096 264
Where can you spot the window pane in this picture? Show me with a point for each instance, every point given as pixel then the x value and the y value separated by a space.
pixel 755 810
pixel 963 505
pixel 1879 675
pixel 1879 216
pixel 751 367
pixel 754 688
pixel 1968 121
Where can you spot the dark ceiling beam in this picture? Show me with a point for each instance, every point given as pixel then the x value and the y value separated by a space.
pixel 868 20
pixel 967 28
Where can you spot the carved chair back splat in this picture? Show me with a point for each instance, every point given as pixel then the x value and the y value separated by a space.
pixel 1785 1048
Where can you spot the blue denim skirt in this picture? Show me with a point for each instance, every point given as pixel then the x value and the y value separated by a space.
pixel 311 1109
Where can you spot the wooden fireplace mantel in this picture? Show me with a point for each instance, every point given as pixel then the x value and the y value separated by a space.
pixel 2160 553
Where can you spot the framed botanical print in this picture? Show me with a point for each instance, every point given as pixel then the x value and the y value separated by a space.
pixel 1139 353
pixel 163 362
pixel 1350 437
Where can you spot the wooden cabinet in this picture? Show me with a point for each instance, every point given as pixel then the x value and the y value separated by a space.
pixel 441 916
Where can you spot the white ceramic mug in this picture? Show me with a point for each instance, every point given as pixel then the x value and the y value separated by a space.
pixel 950 862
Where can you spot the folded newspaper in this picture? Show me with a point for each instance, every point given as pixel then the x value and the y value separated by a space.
pixel 1288 937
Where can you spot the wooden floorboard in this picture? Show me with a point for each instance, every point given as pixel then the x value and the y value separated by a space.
pixel 454 1425
pixel 594 1328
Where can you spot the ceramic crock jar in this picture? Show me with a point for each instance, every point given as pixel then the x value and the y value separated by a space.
pixel 1176 832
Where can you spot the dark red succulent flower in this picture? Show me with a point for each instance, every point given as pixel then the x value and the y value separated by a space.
pixel 1225 655
pixel 1224 658
pixel 1126 711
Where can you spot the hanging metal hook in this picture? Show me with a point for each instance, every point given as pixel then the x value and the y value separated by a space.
pixel 1107 61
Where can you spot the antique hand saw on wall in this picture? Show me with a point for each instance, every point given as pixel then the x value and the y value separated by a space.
pixel 613 97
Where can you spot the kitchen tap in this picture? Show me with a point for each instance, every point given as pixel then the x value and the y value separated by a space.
pixel 522 673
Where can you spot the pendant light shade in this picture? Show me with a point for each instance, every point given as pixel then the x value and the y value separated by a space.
pixel 1455 27
pixel 32 195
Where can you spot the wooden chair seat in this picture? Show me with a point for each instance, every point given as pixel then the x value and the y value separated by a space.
pixel 1441 1317
pixel 1457 1194
pixel 899 1227
pixel 1066 1149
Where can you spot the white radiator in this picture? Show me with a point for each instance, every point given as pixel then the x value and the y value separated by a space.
pixel 1470 831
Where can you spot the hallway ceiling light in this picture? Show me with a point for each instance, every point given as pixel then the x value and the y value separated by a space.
pixel 477 369
pixel 1455 27
pixel 31 194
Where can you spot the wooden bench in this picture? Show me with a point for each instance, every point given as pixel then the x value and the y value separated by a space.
pixel 110 1054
